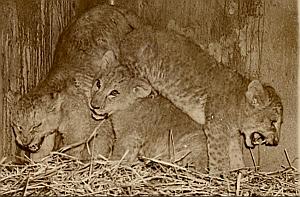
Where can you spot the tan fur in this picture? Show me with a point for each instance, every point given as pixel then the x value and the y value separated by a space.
pixel 77 125
pixel 145 127
pixel 73 124
pixel 172 64
pixel 78 53
pixel 46 147
pixel 184 74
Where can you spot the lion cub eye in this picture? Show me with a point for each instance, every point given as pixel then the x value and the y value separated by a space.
pixel 33 129
pixel 114 93
pixel 36 126
pixel 273 122
pixel 98 83
pixel 14 125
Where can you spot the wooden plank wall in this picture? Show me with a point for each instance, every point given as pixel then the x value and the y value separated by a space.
pixel 229 30
pixel 29 30
pixel 243 34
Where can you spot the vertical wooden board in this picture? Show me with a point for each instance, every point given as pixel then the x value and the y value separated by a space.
pixel 198 15
pixel 29 32
pixel 280 65
pixel 230 30
pixel 1 100
pixel 7 27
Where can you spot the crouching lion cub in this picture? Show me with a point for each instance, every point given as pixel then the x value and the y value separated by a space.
pixel 80 48
pixel 55 120
pixel 155 128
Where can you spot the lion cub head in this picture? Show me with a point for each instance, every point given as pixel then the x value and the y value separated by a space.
pixel 34 117
pixel 263 114
pixel 115 88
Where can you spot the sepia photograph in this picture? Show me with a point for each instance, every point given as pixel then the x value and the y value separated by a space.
pixel 149 97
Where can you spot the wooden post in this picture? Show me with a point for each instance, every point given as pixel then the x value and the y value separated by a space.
pixel 29 32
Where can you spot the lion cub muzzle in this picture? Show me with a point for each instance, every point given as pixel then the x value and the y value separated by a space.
pixel 30 144
pixel 270 138
pixel 100 116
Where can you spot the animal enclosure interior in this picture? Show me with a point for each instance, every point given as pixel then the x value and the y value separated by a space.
pixel 257 38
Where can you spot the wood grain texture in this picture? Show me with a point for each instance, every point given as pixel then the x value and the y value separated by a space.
pixel 257 38
pixel 29 32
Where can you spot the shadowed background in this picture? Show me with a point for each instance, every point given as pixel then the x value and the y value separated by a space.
pixel 258 38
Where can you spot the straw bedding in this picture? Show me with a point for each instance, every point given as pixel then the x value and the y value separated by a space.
pixel 63 175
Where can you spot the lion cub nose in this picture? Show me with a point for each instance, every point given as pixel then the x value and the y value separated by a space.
pixel 26 140
pixel 94 104
pixel 272 141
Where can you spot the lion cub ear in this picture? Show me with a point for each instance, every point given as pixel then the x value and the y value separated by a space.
pixel 256 94
pixel 12 97
pixel 55 102
pixel 141 88
pixel 107 60
pixel 146 51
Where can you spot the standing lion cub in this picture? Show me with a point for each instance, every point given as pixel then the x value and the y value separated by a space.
pixel 170 64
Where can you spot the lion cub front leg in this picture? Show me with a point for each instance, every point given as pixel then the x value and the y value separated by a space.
pixel 235 151
pixel 217 147
pixel 224 147
pixel 46 147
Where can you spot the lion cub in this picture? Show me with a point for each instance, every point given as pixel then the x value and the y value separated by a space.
pixel 235 105
pixel 58 119
pixel 170 63
pixel 155 128
pixel 39 113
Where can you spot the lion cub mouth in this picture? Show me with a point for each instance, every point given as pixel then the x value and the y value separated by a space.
pixel 260 138
pixel 34 147
pixel 100 116
pixel 257 138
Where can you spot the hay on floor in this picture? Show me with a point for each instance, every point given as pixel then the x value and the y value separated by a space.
pixel 63 175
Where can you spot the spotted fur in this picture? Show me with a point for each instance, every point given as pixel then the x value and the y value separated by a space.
pixel 155 128
pixel 188 77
